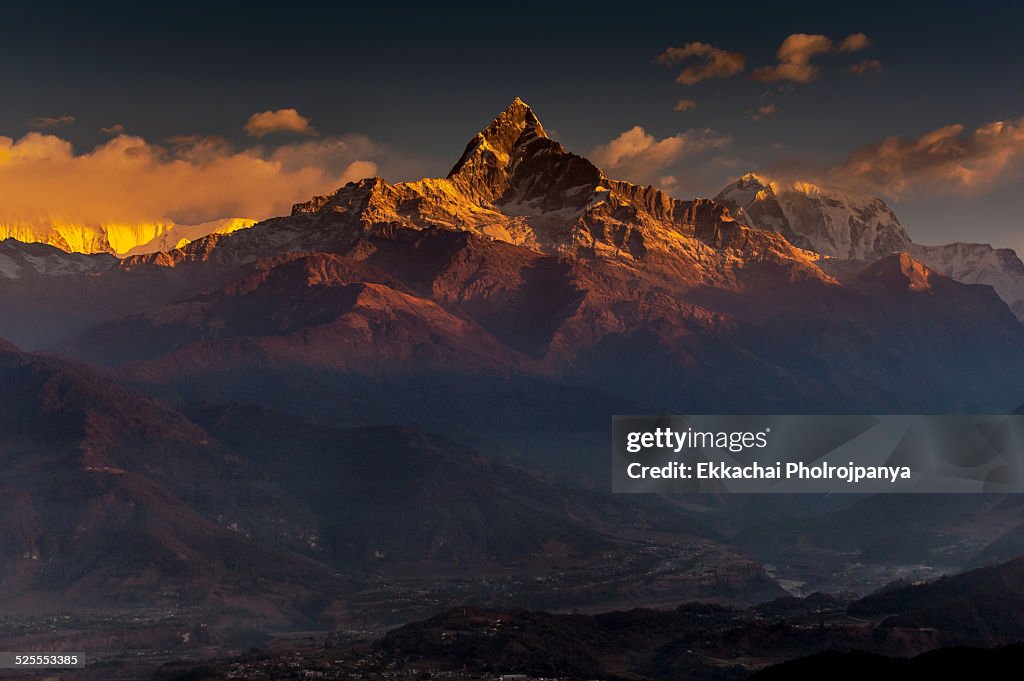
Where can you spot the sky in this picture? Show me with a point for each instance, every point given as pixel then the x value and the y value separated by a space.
pixel 190 112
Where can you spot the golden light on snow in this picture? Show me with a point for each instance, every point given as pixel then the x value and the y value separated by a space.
pixel 126 192
pixel 118 238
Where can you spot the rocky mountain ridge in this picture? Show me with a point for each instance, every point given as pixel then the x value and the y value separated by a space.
pixel 516 185
pixel 527 265
pixel 23 260
pixel 1000 268
pixel 850 226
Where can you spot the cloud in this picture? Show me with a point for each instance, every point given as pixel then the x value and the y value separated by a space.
pixel 684 105
pixel 795 55
pixel 333 154
pixel 282 120
pixel 711 62
pixel 797 51
pixel 116 129
pixel 864 67
pixel 638 156
pixel 763 110
pixel 855 43
pixel 50 122
pixel 187 180
pixel 951 159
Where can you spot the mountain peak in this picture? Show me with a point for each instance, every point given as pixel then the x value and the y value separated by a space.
pixel 518 119
pixel 513 140
pixel 752 179
pixel 513 183
pixel 497 144
pixel 899 271
pixel 832 222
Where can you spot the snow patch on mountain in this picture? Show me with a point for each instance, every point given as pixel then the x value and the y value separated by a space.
pixel 178 236
pixel 851 226
pixel 119 239
pixel 829 221
pixel 1000 268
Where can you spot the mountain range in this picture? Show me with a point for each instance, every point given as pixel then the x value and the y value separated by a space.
pixel 396 398
pixel 847 225
pixel 528 263
pixel 117 501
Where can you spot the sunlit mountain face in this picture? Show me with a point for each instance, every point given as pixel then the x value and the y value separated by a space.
pixel 525 286
pixel 311 334
pixel 118 239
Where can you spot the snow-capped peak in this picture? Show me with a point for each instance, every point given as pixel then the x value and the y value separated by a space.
pixel 830 221
pixel 849 225
pixel 752 180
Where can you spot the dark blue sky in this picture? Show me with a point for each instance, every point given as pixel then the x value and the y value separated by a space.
pixel 422 78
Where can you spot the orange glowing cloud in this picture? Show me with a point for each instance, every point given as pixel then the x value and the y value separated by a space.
pixel 704 62
pixel 142 188
pixel 854 43
pixel 795 56
pixel 638 156
pixel 281 120
pixel 797 51
pixel 948 159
